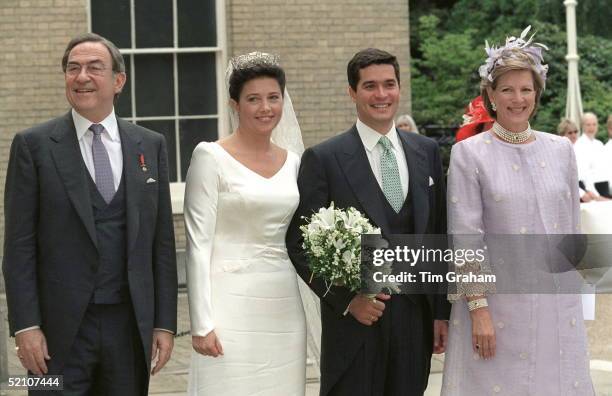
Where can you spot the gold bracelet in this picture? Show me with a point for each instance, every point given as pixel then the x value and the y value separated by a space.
pixel 478 303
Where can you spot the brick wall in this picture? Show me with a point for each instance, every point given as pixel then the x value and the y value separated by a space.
pixel 179 231
pixel 316 39
pixel 33 35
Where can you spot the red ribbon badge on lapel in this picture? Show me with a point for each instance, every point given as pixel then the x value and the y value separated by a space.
pixel 141 162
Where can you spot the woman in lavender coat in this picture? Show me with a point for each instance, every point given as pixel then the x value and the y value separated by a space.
pixel 514 180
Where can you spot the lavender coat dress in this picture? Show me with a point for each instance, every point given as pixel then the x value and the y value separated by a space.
pixel 503 188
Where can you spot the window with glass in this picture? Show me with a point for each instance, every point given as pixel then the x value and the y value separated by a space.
pixel 173 54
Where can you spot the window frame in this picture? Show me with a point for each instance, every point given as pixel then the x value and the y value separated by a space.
pixel 220 51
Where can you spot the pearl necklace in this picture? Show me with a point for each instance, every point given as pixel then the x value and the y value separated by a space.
pixel 512 137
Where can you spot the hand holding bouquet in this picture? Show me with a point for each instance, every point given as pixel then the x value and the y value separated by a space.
pixel 332 242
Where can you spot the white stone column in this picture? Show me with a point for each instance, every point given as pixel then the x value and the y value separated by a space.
pixel 573 107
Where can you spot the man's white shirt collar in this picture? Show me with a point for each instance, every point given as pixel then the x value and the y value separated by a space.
pixel 370 137
pixel 82 124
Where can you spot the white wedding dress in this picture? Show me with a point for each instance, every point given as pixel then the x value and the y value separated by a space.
pixel 241 283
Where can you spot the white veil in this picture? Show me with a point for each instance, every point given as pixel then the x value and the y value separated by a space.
pixel 288 135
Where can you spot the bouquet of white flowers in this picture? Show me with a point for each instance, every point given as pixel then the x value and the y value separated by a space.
pixel 332 242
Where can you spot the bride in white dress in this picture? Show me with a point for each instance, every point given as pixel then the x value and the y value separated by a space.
pixel 247 320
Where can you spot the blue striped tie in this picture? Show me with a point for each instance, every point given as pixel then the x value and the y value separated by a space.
pixel 102 165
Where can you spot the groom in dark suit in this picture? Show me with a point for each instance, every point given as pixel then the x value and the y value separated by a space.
pixel 89 259
pixel 380 347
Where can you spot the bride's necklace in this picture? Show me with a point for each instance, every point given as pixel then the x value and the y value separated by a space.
pixel 512 137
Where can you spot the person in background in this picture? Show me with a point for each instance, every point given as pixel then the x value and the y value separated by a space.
pixel 567 128
pixel 590 157
pixel 608 151
pixel 475 120
pixel 406 123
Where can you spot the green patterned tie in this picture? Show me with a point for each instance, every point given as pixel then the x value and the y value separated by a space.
pixel 391 185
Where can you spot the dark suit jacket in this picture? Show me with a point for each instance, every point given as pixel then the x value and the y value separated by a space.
pixel 338 170
pixel 50 252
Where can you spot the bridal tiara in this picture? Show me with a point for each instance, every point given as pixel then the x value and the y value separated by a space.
pixel 527 46
pixel 254 59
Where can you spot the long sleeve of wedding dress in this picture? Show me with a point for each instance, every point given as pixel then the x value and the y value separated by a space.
pixel 200 210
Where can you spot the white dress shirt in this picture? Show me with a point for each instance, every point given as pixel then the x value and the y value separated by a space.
pixel 110 139
pixel 589 158
pixel 369 138
pixel 608 160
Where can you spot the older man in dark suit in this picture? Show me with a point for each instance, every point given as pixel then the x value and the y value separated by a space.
pixel 382 346
pixel 89 259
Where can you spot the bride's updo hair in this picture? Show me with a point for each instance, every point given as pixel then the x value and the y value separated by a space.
pixel 245 68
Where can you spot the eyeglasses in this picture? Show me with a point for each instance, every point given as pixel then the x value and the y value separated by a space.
pixel 92 69
pixel 572 132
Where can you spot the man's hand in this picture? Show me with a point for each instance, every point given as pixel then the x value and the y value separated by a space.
pixel 440 336
pixel 32 350
pixel 367 310
pixel 163 342
pixel 208 345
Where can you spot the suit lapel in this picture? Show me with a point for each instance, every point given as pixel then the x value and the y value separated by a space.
pixel 130 146
pixel 418 181
pixel 356 167
pixel 69 163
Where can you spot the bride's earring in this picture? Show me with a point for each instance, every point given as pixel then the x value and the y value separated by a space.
pixel 493 107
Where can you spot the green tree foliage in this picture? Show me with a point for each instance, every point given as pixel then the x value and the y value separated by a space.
pixel 442 76
pixel 448 47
